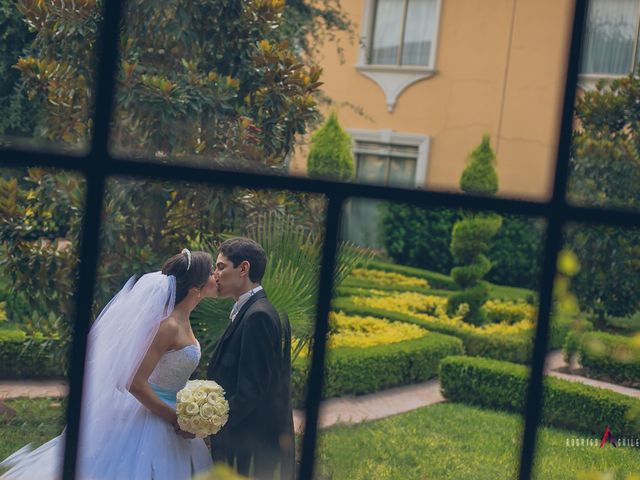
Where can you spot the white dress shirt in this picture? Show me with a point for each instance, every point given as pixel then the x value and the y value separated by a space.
pixel 242 300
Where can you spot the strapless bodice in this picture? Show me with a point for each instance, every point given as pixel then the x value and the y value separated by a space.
pixel 175 367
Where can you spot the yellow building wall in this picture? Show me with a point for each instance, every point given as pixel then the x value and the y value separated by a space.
pixel 500 69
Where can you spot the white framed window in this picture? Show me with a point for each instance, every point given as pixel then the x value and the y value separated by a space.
pixel 403 32
pixel 398 43
pixel 387 158
pixel 610 44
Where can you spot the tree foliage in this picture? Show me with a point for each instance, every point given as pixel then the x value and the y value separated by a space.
pixel 209 80
pixel 605 171
pixel 38 213
pixel 309 24
pixel 15 38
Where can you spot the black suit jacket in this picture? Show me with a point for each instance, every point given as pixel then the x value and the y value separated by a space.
pixel 252 362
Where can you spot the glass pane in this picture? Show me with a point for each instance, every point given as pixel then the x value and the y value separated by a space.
pixel 402 173
pixel 47 74
pixel 147 222
pixel 611 31
pixel 372 169
pixel 392 400
pixel 39 241
pixel 361 222
pixel 420 32
pixel 387 31
pixel 595 349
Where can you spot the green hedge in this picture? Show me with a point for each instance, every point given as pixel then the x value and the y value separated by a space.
pixel 603 355
pixel 513 348
pixel 21 358
pixel 571 405
pixel 354 371
pixel 510 348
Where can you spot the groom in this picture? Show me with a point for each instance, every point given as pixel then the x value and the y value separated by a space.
pixel 252 363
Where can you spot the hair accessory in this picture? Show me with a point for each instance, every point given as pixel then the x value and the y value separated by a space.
pixel 188 253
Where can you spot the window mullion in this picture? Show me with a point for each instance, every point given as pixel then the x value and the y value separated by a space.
pixel 555 217
pixel 318 350
pixel 371 33
pixel 84 298
pixel 387 172
pixel 402 30
pixel 634 57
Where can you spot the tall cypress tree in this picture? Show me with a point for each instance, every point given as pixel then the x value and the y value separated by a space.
pixel 330 153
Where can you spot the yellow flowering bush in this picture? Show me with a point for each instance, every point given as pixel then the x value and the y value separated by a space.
pixel 361 332
pixel 432 308
pixel 356 331
pixel 509 312
pixel 409 303
pixel 383 278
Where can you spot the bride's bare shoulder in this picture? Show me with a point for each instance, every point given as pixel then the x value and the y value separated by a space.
pixel 169 328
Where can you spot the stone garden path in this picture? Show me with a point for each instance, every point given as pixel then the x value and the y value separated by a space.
pixel 343 410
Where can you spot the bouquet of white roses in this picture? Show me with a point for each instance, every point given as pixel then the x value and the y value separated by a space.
pixel 202 408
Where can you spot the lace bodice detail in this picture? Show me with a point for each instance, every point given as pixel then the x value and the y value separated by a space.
pixel 175 367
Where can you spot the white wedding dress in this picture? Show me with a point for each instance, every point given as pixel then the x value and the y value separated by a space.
pixel 120 438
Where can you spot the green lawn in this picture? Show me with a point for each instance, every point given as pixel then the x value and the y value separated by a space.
pixel 454 441
pixel 448 441
pixel 36 421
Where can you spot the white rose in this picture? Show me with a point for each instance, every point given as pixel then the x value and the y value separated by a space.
pixel 191 408
pixel 199 396
pixel 207 411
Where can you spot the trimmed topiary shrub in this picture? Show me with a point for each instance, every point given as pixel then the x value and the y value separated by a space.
pixel 471 236
pixel 469 243
pixel 354 371
pixel 422 238
pixel 330 154
pixel 571 405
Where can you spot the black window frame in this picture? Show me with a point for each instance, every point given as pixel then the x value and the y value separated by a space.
pixel 98 164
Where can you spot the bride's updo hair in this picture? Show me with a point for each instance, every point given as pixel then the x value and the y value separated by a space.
pixel 188 276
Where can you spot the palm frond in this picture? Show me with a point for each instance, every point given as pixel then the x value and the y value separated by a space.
pixel 291 279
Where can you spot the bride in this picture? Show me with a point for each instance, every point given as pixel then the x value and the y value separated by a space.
pixel 141 352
